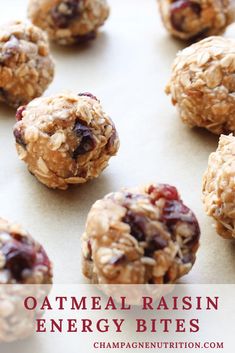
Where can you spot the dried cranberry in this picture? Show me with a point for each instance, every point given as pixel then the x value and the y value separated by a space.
pixel 87 142
pixel 137 224
pixel 66 11
pixel 19 112
pixel 19 137
pixel 163 191
pixel 87 94
pixel 19 257
pixel 118 259
pixel 177 12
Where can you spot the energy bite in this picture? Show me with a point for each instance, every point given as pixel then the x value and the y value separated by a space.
pixel 22 259
pixel 65 139
pixel 186 19
pixel 219 187
pixel 26 66
pixel 69 21
pixel 146 235
pixel 202 84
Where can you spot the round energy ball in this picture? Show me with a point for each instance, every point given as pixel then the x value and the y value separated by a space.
pixel 202 84
pixel 188 19
pixel 26 66
pixel 219 187
pixel 22 259
pixel 69 21
pixel 146 235
pixel 25 271
pixel 65 139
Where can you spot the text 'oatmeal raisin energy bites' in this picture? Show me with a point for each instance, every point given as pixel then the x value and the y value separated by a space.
pixel 189 19
pixel 65 139
pixel 202 84
pixel 69 21
pixel 146 235
pixel 219 187
pixel 26 66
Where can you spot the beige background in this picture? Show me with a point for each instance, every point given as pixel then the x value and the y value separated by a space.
pixel 127 67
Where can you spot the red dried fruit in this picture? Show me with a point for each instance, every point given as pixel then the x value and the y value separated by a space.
pixel 19 137
pixel 173 212
pixel 137 224
pixel 81 39
pixel 155 243
pixel 87 142
pixel 19 257
pixel 87 94
pixel 19 112
pixel 177 14
pixel 21 254
pixel 163 191
pixel 66 11
pixel 89 250
pixel 176 211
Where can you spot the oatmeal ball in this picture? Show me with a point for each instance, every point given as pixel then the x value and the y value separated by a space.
pixel 22 259
pixel 26 66
pixel 219 187
pixel 65 139
pixel 69 21
pixel 186 19
pixel 140 236
pixel 24 262
pixel 202 84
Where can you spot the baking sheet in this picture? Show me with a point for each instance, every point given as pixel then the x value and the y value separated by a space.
pixel 127 67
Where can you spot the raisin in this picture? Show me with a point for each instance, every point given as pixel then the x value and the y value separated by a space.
pixel 188 258
pixel 65 12
pixel 89 257
pixel 111 140
pixel 81 39
pixel 155 243
pixel 174 212
pixel 87 142
pixel 19 137
pixel 177 12
pixel 137 224
pixel 87 94
pixel 19 257
pixel 19 112
pixel 167 278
